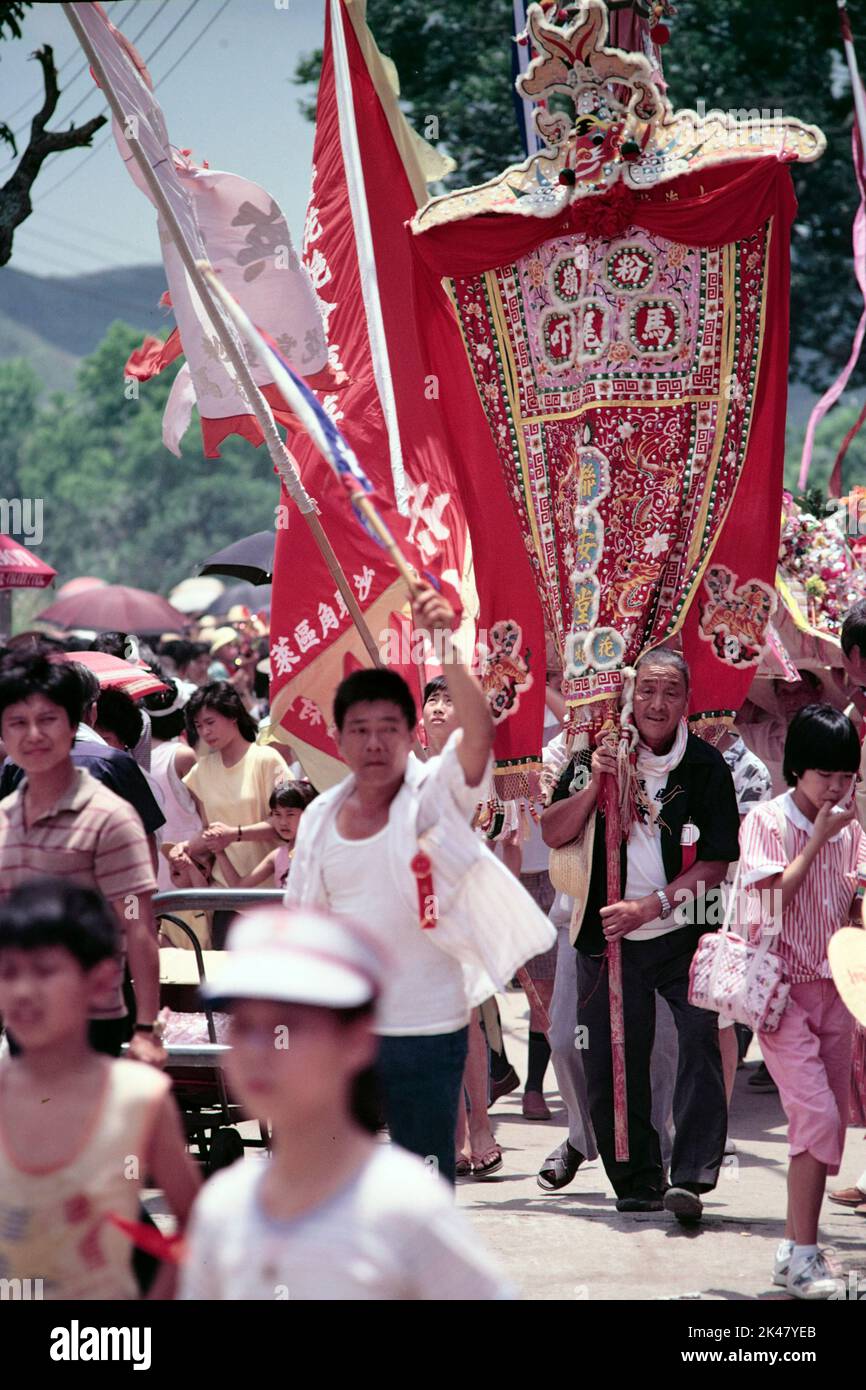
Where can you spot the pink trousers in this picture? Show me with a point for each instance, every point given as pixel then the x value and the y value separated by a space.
pixel 809 1058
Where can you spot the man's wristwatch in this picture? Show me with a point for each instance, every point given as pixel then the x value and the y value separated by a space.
pixel 153 1030
pixel 665 903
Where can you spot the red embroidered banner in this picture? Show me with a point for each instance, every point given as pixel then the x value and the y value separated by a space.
pixel 623 382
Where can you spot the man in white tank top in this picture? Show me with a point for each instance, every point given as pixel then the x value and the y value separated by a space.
pixel 425 1009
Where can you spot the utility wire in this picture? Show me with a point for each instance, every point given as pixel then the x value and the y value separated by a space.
pixel 84 68
pixel 65 64
pixel 105 140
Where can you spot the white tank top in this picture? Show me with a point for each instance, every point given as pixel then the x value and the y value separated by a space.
pixel 53 1222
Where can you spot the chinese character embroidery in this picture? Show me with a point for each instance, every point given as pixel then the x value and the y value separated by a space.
pixel 363 583
pixel 305 636
pixel 268 232
pixel 328 619
pixel 283 657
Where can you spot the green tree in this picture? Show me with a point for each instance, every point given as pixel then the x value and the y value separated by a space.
pixel 116 503
pixel 454 62
pixel 20 389
pixel 828 439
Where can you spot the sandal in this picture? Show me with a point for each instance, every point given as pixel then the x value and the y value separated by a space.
pixel 489 1162
pixel 848 1197
pixel 559 1168
pixel 463 1168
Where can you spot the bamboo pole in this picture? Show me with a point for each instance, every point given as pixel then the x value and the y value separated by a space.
pixel 295 401
pixel 280 455
pixel 613 842
pixel 363 504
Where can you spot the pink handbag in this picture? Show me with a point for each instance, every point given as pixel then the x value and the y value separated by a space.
pixel 742 982
pixel 736 979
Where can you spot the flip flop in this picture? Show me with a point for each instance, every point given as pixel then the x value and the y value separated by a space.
pixel 490 1163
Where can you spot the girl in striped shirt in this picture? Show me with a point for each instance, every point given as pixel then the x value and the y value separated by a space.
pixel 807 846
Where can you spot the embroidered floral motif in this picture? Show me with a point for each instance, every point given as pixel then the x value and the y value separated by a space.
pixel 735 617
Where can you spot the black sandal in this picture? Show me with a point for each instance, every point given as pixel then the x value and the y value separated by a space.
pixel 560 1168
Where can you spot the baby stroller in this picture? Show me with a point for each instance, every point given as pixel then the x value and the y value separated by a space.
pixel 194 1036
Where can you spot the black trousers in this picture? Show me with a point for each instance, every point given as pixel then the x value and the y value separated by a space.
pixel 700 1111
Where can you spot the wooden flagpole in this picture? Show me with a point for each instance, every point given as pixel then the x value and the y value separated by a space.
pixel 613 843
pixel 280 455
pixel 359 499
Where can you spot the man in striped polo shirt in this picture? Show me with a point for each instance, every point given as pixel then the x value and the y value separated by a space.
pixel 61 821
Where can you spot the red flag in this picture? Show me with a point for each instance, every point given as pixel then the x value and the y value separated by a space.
pixel 728 626
pixel 415 432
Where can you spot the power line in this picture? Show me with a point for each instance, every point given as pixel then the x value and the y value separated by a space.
pixel 84 68
pixel 105 140
pixel 89 94
pixel 100 235
pixel 190 46
pixel 116 302
pixel 65 244
pixel 65 64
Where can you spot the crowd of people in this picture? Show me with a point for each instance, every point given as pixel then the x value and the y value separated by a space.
pixel 364 1003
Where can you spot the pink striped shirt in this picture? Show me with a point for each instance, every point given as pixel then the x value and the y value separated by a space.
pixel 823 901
pixel 89 836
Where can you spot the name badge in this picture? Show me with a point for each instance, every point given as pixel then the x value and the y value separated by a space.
pixel 690 834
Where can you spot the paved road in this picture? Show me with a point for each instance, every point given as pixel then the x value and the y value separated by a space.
pixel 574 1244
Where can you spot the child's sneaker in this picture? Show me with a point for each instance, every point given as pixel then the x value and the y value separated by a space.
pixel 814 1277
pixel 780 1270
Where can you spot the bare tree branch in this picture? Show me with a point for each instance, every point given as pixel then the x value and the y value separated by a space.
pixel 15 204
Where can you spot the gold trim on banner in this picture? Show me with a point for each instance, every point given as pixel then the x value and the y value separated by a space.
pixel 729 335
pixel 509 376
pixel 612 405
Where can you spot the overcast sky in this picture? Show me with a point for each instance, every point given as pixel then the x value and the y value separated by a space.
pixel 230 99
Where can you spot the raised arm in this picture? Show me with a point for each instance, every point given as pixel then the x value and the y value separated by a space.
pixel 828 823
pixel 432 613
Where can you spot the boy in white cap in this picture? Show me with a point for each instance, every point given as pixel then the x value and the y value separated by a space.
pixel 334 1214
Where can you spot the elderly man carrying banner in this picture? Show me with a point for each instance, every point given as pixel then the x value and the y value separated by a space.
pixel 685 810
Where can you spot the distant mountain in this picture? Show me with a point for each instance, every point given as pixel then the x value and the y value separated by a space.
pixel 55 367
pixel 54 321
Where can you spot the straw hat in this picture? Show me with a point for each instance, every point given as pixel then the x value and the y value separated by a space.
pixel 221 638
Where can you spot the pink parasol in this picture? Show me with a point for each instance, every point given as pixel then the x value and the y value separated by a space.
pixel 115 608
pixel 78 586
pixel 19 569
pixel 113 673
